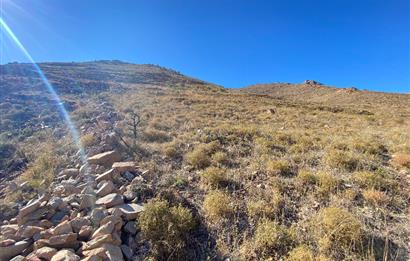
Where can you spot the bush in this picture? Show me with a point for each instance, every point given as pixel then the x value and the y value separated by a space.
pixel 170 150
pixel 342 159
pixel 306 178
pixel 277 167
pixel 301 253
pixel 375 197
pixel 375 180
pixel 88 140
pixel 337 231
pixel 401 160
pixel 166 228
pixel 220 158
pixel 217 205
pixel 271 238
pixel 326 183
pixel 152 135
pixel 265 209
pixel 200 157
pixel 214 177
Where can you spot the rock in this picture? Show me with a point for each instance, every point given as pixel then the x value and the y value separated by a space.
pixel 57 217
pixel 97 214
pixel 64 241
pixel 7 242
pixel 87 201
pixel 106 188
pixel 62 228
pixel 108 175
pixel 79 222
pixel 104 229
pixel 45 253
pixel 85 232
pixel 18 258
pixel 92 258
pixel 29 231
pixel 131 227
pixel 97 242
pixel 312 82
pixel 127 251
pixel 105 159
pixel 121 167
pixel 117 220
pixel 6 253
pixel 113 252
pixel 110 200
pixel 55 202
pixel 30 208
pixel 69 173
pixel 66 190
pixel 65 255
pixel 129 211
pixel 128 176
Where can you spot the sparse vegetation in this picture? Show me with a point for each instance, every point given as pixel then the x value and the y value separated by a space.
pixel 218 205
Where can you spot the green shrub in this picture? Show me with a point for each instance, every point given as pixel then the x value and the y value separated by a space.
pixel 214 177
pixel 166 228
pixel 220 158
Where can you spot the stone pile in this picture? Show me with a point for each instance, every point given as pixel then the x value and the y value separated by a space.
pixel 84 216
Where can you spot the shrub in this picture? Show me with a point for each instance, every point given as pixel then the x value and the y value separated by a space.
pixel 200 157
pixel 170 150
pixel 271 238
pixel 88 140
pixel 401 160
pixel 306 178
pixel 375 197
pixel 220 158
pixel 326 183
pixel 337 231
pixel 301 253
pixel 277 167
pixel 342 159
pixel 265 209
pixel 217 205
pixel 375 180
pixel 152 135
pixel 214 177
pixel 166 228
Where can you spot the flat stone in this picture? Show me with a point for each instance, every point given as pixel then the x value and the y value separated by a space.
pixel 105 159
pixel 29 231
pixel 129 211
pixel 64 241
pixel 85 232
pixel 110 200
pixel 7 242
pixel 97 214
pixel 113 252
pixel 106 188
pixel 8 252
pixel 87 201
pixel 65 255
pixel 62 228
pixel 108 175
pixel 45 253
pixel 121 167
pixel 79 222
pixel 97 242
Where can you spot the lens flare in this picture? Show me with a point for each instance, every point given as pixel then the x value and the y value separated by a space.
pixel 60 105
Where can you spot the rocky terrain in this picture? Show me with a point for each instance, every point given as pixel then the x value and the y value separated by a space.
pixel 175 168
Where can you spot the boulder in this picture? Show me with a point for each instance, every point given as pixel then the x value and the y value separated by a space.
pixel 28 231
pixel 127 251
pixel 113 252
pixel 128 211
pixel 65 255
pixel 85 232
pixel 55 202
pixel 106 188
pixel 131 227
pixel 107 228
pixel 79 222
pixel 87 201
pixel 98 242
pixel 45 253
pixel 108 175
pixel 97 214
pixel 8 252
pixel 63 241
pixel 7 242
pixel 62 228
pixel 121 167
pixel 105 159
pixel 110 200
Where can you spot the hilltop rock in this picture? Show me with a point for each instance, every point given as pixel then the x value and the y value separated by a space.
pixel 312 82
pixel 105 159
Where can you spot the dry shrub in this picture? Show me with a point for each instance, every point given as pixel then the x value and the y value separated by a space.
pixel 301 253
pixel 88 140
pixel 200 157
pixel 277 167
pixel 401 160
pixel 217 205
pixel 220 158
pixel 306 178
pixel 375 180
pixel 271 239
pixel 368 146
pixel 153 135
pixel 166 228
pixel 170 150
pixel 336 231
pixel 342 160
pixel 214 177
pixel 326 183
pixel 265 208
pixel 376 198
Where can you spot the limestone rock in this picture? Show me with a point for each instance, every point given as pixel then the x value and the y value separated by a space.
pixel 62 228
pixel 105 159
pixel 64 241
pixel 65 255
pixel 108 175
pixel 121 167
pixel 106 188
pixel 110 200
pixel 129 211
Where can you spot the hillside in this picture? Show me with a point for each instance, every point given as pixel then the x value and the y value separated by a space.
pixel 181 169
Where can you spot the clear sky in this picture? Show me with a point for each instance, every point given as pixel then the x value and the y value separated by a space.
pixel 234 43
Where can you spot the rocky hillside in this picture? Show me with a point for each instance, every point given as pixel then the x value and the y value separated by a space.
pixel 179 169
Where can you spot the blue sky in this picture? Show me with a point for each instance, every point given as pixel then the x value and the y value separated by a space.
pixel 344 43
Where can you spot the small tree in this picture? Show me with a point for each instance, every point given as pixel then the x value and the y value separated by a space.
pixel 131 127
